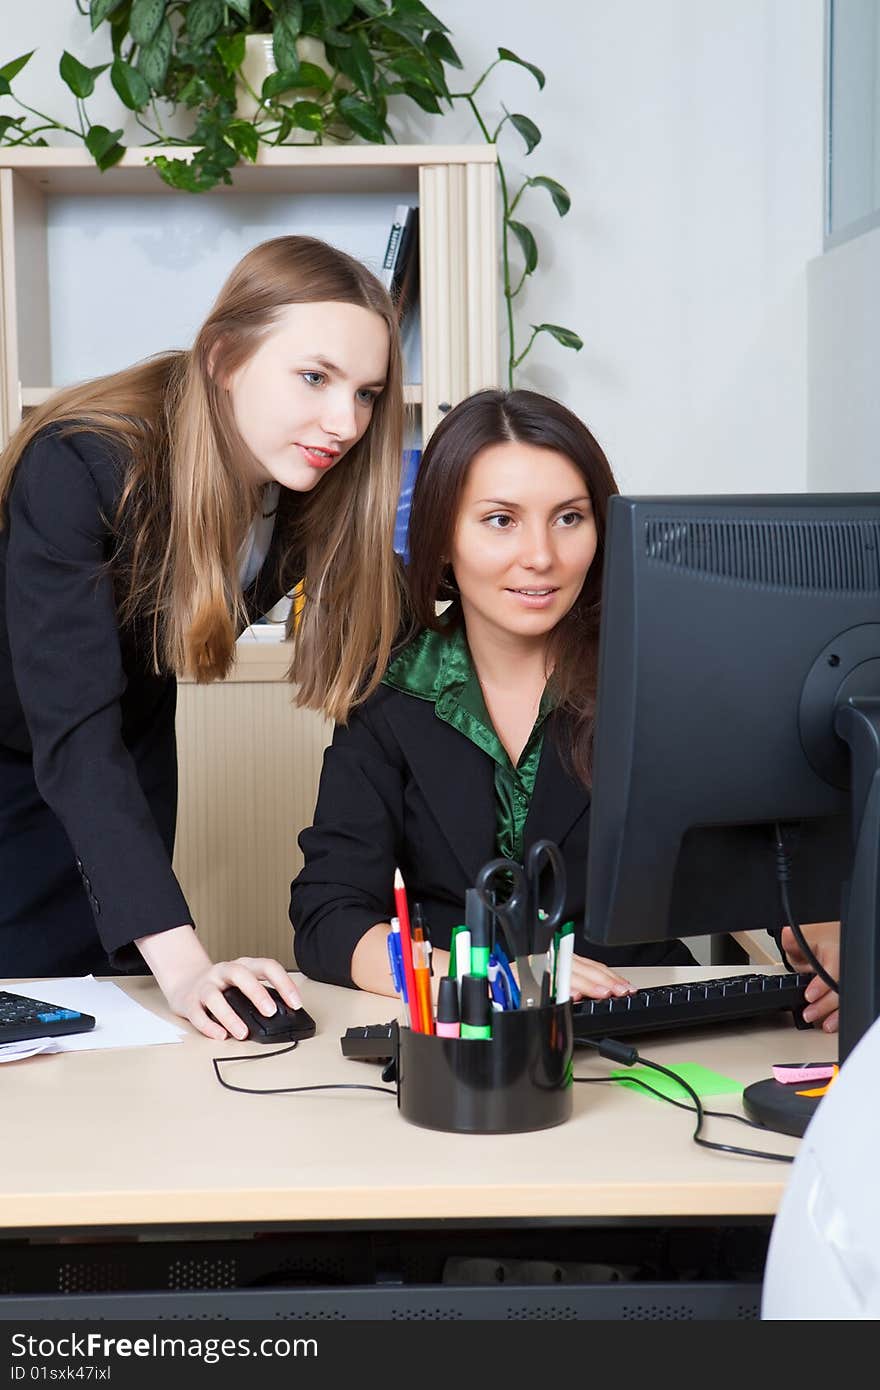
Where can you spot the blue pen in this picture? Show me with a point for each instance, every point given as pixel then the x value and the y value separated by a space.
pixel 395 956
pixel 498 987
pixel 507 972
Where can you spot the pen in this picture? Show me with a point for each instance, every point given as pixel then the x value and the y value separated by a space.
pixel 448 1018
pixel 507 972
pixel 423 980
pixel 396 956
pixel 406 952
pixel 476 1015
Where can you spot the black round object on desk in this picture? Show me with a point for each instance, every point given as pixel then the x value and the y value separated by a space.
pixel 519 1080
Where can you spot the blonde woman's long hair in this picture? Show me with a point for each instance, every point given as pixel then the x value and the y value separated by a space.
pixel 187 503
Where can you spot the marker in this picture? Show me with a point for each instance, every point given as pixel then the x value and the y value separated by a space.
pixel 448 1018
pixel 476 1014
pixel 478 918
pixel 406 953
pixel 564 957
pixel 461 941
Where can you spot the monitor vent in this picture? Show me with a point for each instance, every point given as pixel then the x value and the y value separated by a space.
pixel 829 556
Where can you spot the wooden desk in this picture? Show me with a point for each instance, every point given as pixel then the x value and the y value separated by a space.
pixel 144 1139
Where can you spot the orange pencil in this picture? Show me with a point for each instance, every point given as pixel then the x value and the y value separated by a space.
pixel 422 972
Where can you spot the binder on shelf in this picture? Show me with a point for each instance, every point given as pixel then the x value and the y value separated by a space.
pixel 411 460
pixel 400 266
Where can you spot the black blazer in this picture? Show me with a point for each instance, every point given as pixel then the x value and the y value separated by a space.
pixel 78 695
pixel 400 787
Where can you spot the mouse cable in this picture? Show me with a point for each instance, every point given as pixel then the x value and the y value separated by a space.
pixel 621 1052
pixel 783 878
pixel 288 1090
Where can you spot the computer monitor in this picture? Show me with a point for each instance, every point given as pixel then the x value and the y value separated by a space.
pixel 739 690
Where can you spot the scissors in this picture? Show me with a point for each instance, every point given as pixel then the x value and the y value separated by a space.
pixel 528 924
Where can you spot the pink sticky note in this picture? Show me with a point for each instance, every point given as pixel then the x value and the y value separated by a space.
pixel 792 1074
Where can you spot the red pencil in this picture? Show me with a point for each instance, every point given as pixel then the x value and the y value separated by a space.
pixel 409 974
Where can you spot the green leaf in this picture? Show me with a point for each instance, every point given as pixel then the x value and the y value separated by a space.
pixel 11 69
pixel 100 9
pixel 231 49
pixel 103 145
pixel 310 75
pixel 153 58
pixel 5 88
pixel 146 18
pixel 79 78
pixel 373 7
pixel 308 115
pixel 178 173
pixel 337 38
pixel 527 129
pixel 244 138
pixel 362 119
pixel 241 7
pixel 561 197
pixel 9 123
pixel 565 336
pixel 129 85
pixel 286 29
pixel 507 56
pixel 527 243
pixel 336 12
pixel 417 13
pixel 405 31
pixel 413 70
pixel 203 18
pixel 277 83
pixel 442 50
pixel 356 63
pixel 426 100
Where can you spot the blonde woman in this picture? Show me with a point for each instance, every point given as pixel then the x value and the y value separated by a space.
pixel 145 519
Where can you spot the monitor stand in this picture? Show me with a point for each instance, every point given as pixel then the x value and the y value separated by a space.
pixel 782 1108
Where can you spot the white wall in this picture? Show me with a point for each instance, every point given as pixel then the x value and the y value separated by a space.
pixel 689 133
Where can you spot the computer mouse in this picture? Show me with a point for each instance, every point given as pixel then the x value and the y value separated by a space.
pixel 285 1025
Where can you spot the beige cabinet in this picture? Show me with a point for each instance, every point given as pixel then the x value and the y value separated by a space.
pixel 249 761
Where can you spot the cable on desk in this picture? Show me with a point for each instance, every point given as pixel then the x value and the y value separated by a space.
pixel 622 1052
pixel 288 1090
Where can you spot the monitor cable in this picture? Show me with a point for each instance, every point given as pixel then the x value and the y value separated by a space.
pixel 783 877
pixel 628 1056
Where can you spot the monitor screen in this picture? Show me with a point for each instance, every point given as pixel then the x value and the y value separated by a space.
pixel 733 631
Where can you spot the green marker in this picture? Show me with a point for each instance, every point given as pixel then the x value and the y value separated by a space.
pixel 477 916
pixel 460 953
pixel 476 1014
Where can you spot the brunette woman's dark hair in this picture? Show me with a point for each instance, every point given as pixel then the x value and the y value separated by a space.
pixel 520 417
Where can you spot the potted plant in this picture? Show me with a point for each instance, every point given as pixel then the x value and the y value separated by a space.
pixel 248 73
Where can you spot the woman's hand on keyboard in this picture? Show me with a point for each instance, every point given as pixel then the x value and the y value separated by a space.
pixel 824 940
pixel 592 980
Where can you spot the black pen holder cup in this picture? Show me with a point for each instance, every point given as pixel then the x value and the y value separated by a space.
pixel 519 1080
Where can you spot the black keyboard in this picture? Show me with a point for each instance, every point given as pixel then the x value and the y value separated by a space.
pixel 682 1005
pixel 22 1018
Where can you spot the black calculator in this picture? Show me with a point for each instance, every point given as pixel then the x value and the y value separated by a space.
pixel 22 1018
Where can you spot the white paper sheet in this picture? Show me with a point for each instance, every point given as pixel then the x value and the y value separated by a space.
pixel 119 1020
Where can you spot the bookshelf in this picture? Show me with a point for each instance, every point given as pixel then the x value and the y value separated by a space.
pixel 249 761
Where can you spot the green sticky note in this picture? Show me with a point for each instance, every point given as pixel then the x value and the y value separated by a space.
pixel 704 1081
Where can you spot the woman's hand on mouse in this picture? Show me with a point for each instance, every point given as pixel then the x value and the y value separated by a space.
pixel 193 983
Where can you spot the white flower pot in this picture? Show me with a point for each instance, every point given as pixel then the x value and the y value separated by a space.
pixel 259 63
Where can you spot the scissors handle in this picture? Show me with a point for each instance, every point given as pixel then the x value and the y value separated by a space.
pixel 514 913
pixel 543 854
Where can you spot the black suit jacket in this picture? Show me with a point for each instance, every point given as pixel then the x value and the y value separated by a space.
pixel 79 697
pixel 400 787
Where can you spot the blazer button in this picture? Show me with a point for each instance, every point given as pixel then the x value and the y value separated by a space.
pixel 96 906
pixel 79 865
pixel 86 884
